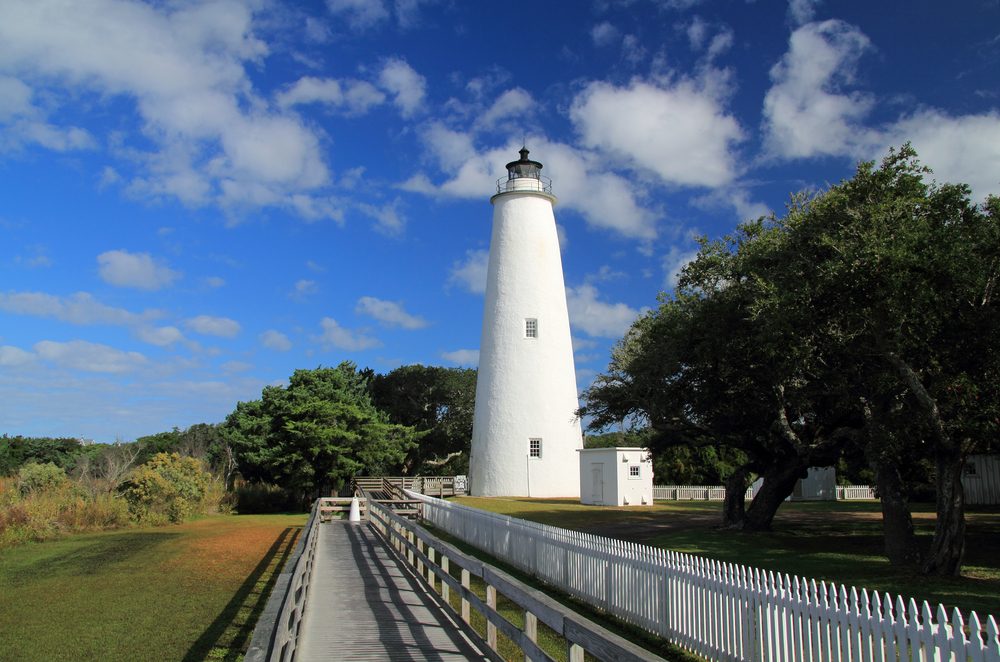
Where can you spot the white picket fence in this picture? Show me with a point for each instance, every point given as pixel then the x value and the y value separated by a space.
pixel 720 610
pixel 718 492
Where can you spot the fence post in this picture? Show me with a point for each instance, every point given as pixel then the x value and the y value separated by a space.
pixel 445 589
pixel 575 652
pixel 430 568
pixel 491 629
pixel 531 626
pixel 465 603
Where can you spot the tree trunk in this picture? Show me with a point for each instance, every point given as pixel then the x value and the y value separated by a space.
pixel 734 507
pixel 948 546
pixel 779 482
pixel 897 523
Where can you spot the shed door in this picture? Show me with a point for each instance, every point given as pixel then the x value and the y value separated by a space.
pixel 597 483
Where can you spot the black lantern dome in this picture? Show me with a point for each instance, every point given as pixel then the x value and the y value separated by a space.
pixel 524 167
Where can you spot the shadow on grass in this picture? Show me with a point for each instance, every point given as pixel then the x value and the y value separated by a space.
pixel 91 558
pixel 229 618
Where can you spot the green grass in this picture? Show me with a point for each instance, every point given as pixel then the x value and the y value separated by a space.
pixel 832 541
pixel 185 592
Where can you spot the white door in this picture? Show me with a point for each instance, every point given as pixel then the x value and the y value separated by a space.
pixel 597 483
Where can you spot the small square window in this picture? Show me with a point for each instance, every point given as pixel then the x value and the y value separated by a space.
pixel 531 328
pixel 534 448
pixel 633 471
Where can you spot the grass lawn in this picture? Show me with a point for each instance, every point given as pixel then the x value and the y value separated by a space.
pixel 831 541
pixel 186 592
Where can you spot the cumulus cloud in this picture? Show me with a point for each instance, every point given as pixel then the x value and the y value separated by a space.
pixel 604 34
pixel 680 132
pixel 88 356
pixel 389 221
pixel 275 340
pixel 405 84
pixel 355 97
pixel 462 357
pixel 597 318
pixel 390 313
pixel 511 105
pixel 675 260
pixel 303 289
pixel 958 148
pixel 137 270
pixel 359 14
pixel 470 273
pixel 162 336
pixel 334 335
pixel 802 11
pixel 807 112
pixel 209 325
pixel 614 205
pixel 80 308
pixel 183 67
pixel 13 357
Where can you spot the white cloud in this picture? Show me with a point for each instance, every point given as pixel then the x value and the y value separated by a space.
pixel 462 357
pixel 355 96
pixel 675 260
pixel 162 336
pixel 962 149
pixel 802 11
pixel 613 205
pixel 597 318
pixel 138 270
pixel 235 366
pixel 470 273
pixel 360 14
pixel 275 340
pixel 337 336
pixel 390 313
pixel 389 220
pixel 303 289
pixel 651 127
pixel 806 112
pixel 182 65
pixel 405 84
pixel 88 356
pixel 604 34
pixel 13 357
pixel 213 326
pixel 80 308
pixel 215 281
pixel 512 105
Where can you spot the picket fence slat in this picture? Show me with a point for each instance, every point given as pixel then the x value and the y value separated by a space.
pixel 718 610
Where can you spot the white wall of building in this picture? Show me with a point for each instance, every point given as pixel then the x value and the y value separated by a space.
pixel 616 477
pixel 526 387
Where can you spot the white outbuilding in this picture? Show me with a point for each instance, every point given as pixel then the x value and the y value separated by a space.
pixel 616 477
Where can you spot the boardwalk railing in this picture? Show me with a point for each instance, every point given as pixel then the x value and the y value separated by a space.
pixel 720 610
pixel 718 492
pixel 432 559
pixel 275 636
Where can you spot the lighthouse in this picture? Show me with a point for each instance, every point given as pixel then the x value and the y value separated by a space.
pixel 525 431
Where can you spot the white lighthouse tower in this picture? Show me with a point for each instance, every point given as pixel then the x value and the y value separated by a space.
pixel 525 432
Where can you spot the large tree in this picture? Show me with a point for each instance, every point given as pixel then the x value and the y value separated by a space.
pixel 438 403
pixel 867 315
pixel 317 432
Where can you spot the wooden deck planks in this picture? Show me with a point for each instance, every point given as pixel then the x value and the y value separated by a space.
pixel 362 605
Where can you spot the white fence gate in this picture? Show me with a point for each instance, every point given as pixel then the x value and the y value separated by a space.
pixel 720 610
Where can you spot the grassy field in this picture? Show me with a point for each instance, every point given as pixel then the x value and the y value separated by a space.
pixel 831 541
pixel 186 592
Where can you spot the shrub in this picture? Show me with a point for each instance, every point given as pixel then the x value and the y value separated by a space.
pixel 35 477
pixel 167 487
pixel 255 498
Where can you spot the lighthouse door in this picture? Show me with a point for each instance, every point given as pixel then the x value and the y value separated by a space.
pixel 597 483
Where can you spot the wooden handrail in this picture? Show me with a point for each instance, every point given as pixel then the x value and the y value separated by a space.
pixel 431 557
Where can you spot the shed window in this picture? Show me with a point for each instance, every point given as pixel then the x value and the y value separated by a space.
pixel 531 328
pixel 633 471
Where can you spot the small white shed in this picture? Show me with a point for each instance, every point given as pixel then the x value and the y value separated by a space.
pixel 616 477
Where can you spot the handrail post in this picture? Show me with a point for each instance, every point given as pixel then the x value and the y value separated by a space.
pixel 491 629
pixel 466 583
pixel 445 589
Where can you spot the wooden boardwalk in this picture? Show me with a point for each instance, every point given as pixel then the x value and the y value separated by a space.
pixel 363 605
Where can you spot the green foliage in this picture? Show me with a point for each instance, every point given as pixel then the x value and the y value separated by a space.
pixel 439 404
pixel 17 451
pixel 40 477
pixel 316 433
pixel 168 486
pixel 257 498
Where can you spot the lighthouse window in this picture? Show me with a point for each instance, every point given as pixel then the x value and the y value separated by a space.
pixel 534 448
pixel 531 328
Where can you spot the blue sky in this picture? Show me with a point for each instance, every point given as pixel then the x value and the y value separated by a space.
pixel 198 198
